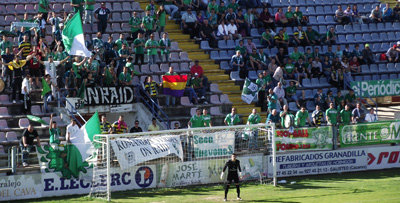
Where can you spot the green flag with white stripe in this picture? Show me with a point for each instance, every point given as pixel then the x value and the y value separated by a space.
pixel 73 38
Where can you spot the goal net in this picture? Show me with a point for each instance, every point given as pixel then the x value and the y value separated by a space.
pixel 182 157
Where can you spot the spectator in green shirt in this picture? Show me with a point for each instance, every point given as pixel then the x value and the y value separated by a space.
pixel 161 16
pixel 351 99
pixel 331 115
pixel 124 77
pixel 313 36
pixel 4 44
pixel 89 15
pixel 267 38
pixel 331 36
pixel 339 98
pixel 254 118
pixel 298 15
pixel 151 46
pixel 148 24
pixel 296 55
pixel 302 117
pixel 152 8
pixel 207 118
pixel 139 44
pixel 44 8
pixel 54 132
pixel 345 115
pixel 196 121
pixel 135 23
pixel 289 69
pixel 290 16
pixel 291 93
pixel 221 10
pixel 165 45
pixel 272 100
pixel 212 6
pixel 233 5
pixel 119 42
pixel 232 118
pixel 255 60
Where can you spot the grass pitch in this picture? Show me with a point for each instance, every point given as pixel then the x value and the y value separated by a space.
pixel 372 186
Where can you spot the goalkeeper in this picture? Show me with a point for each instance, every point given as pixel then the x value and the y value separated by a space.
pixel 233 166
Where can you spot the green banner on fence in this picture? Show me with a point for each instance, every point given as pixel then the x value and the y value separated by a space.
pixel 370 133
pixel 376 88
pixel 319 138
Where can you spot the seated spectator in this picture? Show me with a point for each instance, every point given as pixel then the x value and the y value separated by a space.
pixel 190 91
pixel 320 99
pixel 339 52
pixel 153 126
pixel 291 93
pixel 223 31
pixel 301 118
pixel 327 67
pixel 267 38
pixel 340 17
pixel 221 11
pixel 280 18
pixel 376 15
pixel 296 55
pixel 354 65
pixel 213 19
pixel 289 70
pixel 317 116
pixel 347 52
pixel 26 143
pixel 368 55
pixel 299 18
pixel 349 14
pixel 331 115
pixel 396 12
pixel 250 46
pixel 280 94
pixel 313 36
pixel 316 68
pixel 196 68
pixel 290 16
pixel 243 28
pixel 331 36
pixel 212 5
pixel 207 33
pixel 171 7
pixel 300 70
pixel 231 15
pixel 237 64
pixel 198 23
pixel 136 128
pixel 387 13
pixel 255 60
pixel 392 54
pixel 281 41
pixel 273 117
pixel 358 53
pixel 120 126
pixel 300 37
pixel 278 75
pixel 251 20
pixel 188 22
pixel 371 116
pixel 357 115
pixel 350 98
pixel 267 19
pixel 233 31
pixel 232 118
pixel 356 14
pixel 272 66
pixel 199 88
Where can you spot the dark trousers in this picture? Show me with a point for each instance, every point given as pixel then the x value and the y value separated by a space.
pixel 139 57
pixel 102 26
pixel 189 29
pixel 16 84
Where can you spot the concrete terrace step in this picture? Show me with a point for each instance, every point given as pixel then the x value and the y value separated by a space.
pixel 218 77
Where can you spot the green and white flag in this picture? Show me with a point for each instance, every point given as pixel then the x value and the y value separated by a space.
pixel 250 91
pixel 73 158
pixel 73 38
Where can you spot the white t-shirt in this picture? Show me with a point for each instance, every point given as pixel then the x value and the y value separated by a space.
pixel 280 92
pixel 371 118
pixel 71 130
pixel 27 84
pixel 232 28
pixel 222 30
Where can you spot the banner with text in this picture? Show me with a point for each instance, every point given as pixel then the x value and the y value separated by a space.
pixel 319 138
pixel 384 132
pixel 312 163
pixel 214 144
pixel 383 157
pixel 20 187
pixel 133 151
pixel 376 88
pixel 109 95
pixel 250 91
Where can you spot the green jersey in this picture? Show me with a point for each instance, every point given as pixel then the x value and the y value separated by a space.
pixel 197 121
pixel 76 69
pixel 291 90
pixel 338 100
pixel 4 45
pixel 59 56
pixel 54 135
pixel 44 3
pixel 151 46
pixel 139 44
pixel 168 73
pixel 254 119
pixel 266 36
pixel 234 7
pixel 207 119
pixel 232 119
pixel 242 49
pixel 332 115
pixel 164 45
pixel 119 43
pixel 135 23
pixel 222 9
pixel 148 22
pixel 296 55
pixel 272 101
pixel 89 7
pixel 345 116
pixel 289 14
pixel 124 77
pixel 289 68
pixel 80 8
pixel 350 98
pixel 186 2
pixel 93 67
pixel 300 119
pixel 212 6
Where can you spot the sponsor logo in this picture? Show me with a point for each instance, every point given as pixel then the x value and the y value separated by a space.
pixel 144 176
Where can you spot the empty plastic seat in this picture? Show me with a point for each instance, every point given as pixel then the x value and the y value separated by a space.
pixel 324 81
pixel 224 98
pixel 306 82
pixel 384 77
pixel 214 88
pixel 193 111
pixel 252 75
pixel 215 111
pixel 254 32
pixel 205 46
pixel 393 76
pixel 154 68
pixel 382 68
pixel 293 106
pixel 145 69
pixel 184 56
pixel 59 121
pixel 223 55
pixel 373 68
pixel 235 76
pixel 310 105
pixel 23 123
pixel 314 82
pixel 174 56
pixel 126 6
pixel 185 101
pixel 214 55
pixel 214 99
pixel 4 111
pixel 116 28
pixel 184 67
pixel 230 44
pixel 222 44
pixel 174 46
pixel 3 137
pixel 47 120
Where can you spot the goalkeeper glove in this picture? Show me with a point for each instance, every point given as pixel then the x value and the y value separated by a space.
pixel 222 175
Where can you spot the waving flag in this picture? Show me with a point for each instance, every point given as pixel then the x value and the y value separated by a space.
pixel 174 85
pixel 73 38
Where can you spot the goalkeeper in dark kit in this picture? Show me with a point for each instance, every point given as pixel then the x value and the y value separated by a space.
pixel 234 169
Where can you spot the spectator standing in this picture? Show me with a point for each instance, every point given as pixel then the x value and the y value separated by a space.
pixel 165 45
pixel 161 16
pixel 169 97
pixel 124 77
pixel 196 121
pixel 89 15
pixel 207 33
pixel 102 15
pixel 27 144
pixel 371 116
pixel 267 19
pixel 153 126
pixel 237 64
pixel 105 126
pixel 139 44
pixel 282 115
pixel 331 115
pixel 135 23
pixel 232 118
pixel 26 90
pixel 121 41
pixel 136 128
pixel 368 55
pixel 55 133
pixel 148 24
pixel 357 115
pixel 273 117
pixel 151 88
pixel 345 115
pixel 4 44
pixel 254 118
pixel 206 118
pixel 120 126
pixel 317 116
pixel 188 22
pixel 302 117
pixel 272 100
pixel 8 70
pixel 25 47
pixel 151 46
pixel 72 129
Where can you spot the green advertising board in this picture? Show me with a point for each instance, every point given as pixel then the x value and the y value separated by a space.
pixel 384 132
pixel 376 88
pixel 315 138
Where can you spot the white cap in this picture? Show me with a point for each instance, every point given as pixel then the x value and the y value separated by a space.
pixel 61 24
pixel 398 43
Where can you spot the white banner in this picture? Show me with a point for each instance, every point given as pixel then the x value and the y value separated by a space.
pixel 20 187
pixel 311 163
pixel 214 144
pixel 383 157
pixel 252 166
pixel 133 151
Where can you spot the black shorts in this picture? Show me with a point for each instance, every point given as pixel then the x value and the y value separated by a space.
pixel 35 72
pixel 233 177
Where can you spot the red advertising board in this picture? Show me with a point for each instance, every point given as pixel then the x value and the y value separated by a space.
pixel 383 157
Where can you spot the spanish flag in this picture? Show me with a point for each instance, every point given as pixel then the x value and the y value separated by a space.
pixel 174 85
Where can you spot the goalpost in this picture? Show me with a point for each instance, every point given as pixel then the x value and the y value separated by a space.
pixel 182 157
